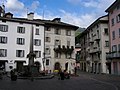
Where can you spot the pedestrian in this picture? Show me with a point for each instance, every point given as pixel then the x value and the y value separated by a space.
pixel 75 70
pixel 13 75
pixel 62 75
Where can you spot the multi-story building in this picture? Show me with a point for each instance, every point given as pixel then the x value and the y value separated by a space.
pixel 15 41
pixel 113 56
pixel 54 42
pixel 59 45
pixel 94 45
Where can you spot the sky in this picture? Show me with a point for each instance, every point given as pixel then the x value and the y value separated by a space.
pixel 81 13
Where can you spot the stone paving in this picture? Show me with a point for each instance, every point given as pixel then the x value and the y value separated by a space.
pixel 85 81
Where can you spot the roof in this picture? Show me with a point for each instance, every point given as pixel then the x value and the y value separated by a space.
pixel 99 20
pixel 22 20
pixel 113 6
pixel 41 22
pixel 59 23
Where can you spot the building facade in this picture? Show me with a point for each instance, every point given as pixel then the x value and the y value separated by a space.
pixel 59 45
pixel 94 45
pixel 54 43
pixel 113 56
pixel 15 41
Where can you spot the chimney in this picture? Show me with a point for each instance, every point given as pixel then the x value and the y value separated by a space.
pixel 9 15
pixel 56 20
pixel 30 16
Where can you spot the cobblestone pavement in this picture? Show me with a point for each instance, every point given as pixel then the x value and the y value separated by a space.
pixel 113 80
pixel 85 81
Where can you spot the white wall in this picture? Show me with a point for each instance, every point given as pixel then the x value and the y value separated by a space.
pixel 11 45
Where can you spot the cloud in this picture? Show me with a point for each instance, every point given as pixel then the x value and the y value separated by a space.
pixel 35 5
pixel 100 4
pixel 96 9
pixel 80 20
pixel 14 5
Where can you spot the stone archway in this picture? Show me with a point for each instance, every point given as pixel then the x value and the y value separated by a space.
pixel 57 66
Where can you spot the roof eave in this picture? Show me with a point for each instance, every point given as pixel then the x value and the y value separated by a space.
pixel 112 6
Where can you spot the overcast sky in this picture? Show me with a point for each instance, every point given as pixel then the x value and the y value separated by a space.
pixel 77 12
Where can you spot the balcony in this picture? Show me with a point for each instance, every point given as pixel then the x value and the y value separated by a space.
pixel 95 50
pixel 91 41
pixel 64 49
pixel 97 38
pixel 57 48
pixel 113 55
pixel 88 59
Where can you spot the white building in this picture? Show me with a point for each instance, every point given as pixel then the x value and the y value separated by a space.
pixel 54 42
pixel 15 41
pixel 94 45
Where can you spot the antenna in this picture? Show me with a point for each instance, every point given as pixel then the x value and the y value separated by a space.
pixel 27 9
pixel 43 14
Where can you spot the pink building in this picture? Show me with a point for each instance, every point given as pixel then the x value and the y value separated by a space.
pixel 114 26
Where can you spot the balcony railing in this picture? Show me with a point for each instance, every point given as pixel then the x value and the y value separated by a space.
pixel 64 49
pixel 97 50
pixel 97 38
pixel 113 55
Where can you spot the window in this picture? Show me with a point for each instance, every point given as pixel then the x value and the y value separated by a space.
pixel 57 31
pixel 118 18
pixel 47 51
pixel 68 32
pixel 57 55
pixel 3 28
pixel 114 48
pixel 37 31
pixel 119 32
pixel 106 31
pixel 68 43
pixel 57 42
pixel 20 41
pixel 106 43
pixel 47 28
pixel 3 52
pixel 113 35
pixel 112 22
pixel 118 47
pixel 19 53
pixel 97 26
pixel 21 29
pixel 118 7
pixel 3 39
pixel 47 39
pixel 37 42
pixel 47 62
pixel 38 54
